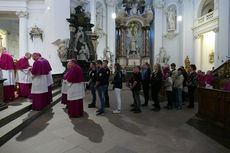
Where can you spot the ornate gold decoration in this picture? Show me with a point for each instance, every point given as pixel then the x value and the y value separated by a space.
pixel 211 57
pixel 36 32
pixel 187 63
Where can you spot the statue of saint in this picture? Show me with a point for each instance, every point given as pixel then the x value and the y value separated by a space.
pixel 79 36
pixel 99 18
pixel 134 9
pixel 163 59
pixel 133 46
pixel 83 54
pixel 62 48
pixel 171 18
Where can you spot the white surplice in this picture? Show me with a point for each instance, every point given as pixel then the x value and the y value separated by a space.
pixel 75 91
pixel 39 84
pixel 24 76
pixel 9 75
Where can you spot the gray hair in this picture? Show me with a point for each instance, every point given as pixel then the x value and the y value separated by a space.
pixel 27 54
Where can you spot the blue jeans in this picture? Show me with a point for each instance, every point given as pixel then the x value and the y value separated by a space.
pixel 101 94
pixel 93 92
pixel 179 98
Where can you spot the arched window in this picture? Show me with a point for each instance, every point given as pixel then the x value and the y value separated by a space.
pixel 207 7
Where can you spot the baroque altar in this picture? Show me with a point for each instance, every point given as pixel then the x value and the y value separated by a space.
pixel 133 27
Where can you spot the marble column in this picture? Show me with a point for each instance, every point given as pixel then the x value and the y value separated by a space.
pixel 110 22
pixel 122 42
pixel 147 41
pixel 93 12
pixel 197 53
pixel 23 39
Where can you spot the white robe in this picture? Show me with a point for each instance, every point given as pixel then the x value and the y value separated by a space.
pixel 39 84
pixel 24 76
pixel 75 91
pixel 64 87
pixel 9 75
pixel 50 79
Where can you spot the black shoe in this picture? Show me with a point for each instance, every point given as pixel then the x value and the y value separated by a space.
pixel 91 105
pixel 133 109
pixel 166 107
pixel 133 105
pixel 99 110
pixel 144 105
pixel 156 109
pixel 137 111
pixel 100 113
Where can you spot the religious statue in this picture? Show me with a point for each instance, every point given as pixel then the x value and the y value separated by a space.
pixel 134 9
pixel 83 54
pixel 62 48
pixel 171 18
pixel 79 36
pixel 99 18
pixel 187 63
pixel 163 59
pixel 108 55
pixel 133 46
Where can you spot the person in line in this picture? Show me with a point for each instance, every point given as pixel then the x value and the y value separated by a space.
pixel 24 76
pixel 92 83
pixel 168 87
pixel 107 74
pixel 146 75
pixel 178 85
pixel 64 86
pixel 192 84
pixel 156 82
pixel 75 89
pixel 101 85
pixel 185 88
pixel 39 89
pixel 117 86
pixel 136 87
pixel 174 91
pixel 7 67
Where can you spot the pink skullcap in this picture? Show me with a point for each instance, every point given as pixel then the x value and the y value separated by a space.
pixel 36 53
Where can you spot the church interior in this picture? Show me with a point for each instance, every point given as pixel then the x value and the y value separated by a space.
pixel 186 41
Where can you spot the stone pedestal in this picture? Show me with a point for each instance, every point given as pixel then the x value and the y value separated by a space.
pixel 2 104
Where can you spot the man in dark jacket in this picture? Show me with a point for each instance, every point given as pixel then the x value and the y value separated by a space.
pixel 146 74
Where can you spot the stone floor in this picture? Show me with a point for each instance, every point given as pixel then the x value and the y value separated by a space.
pixel 148 132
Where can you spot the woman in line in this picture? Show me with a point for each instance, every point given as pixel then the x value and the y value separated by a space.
pixel 156 82
pixel 117 86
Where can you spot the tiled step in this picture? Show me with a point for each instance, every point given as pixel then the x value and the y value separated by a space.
pixel 17 124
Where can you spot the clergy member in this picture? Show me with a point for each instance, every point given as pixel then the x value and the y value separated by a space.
pixel 49 80
pixel 75 91
pixel 7 66
pixel 39 88
pixel 24 76
pixel 64 85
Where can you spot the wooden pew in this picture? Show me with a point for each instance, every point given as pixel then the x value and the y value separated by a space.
pixel 214 105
